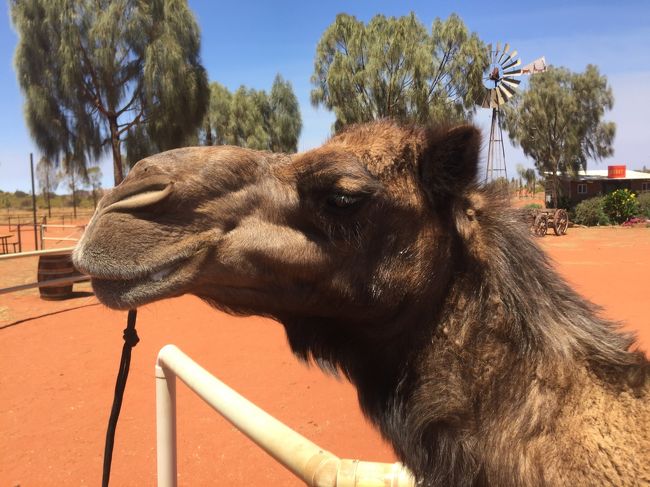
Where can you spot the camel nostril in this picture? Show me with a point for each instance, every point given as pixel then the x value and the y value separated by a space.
pixel 144 196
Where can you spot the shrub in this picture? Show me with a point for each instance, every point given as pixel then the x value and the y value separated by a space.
pixel 590 212
pixel 620 205
pixel 643 201
pixel 533 206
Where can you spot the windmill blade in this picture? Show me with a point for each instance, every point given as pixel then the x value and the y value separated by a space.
pixel 493 99
pixel 500 98
pixel 511 82
pixel 514 72
pixel 510 57
pixel 511 64
pixel 506 91
pixel 505 54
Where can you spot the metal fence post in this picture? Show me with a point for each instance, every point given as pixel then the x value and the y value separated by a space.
pixel 166 427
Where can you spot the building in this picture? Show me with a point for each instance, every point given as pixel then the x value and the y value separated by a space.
pixel 599 182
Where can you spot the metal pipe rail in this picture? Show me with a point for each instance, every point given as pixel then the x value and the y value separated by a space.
pixel 52 225
pixel 48 283
pixel 35 253
pixel 309 462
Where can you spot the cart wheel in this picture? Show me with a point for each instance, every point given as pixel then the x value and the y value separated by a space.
pixel 560 222
pixel 541 225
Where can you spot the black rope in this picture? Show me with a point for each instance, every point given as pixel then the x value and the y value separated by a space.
pixel 130 340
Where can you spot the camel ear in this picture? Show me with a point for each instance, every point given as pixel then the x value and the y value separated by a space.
pixel 449 162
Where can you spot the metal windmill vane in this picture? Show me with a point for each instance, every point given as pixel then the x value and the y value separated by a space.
pixel 501 79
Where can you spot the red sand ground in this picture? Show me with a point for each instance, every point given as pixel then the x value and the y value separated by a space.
pixel 58 373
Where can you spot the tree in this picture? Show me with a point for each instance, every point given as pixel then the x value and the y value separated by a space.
pixel 218 116
pixel 247 125
pixel 558 121
pixel 74 175
pixel 95 181
pixel 93 71
pixel 392 67
pixel 528 175
pixel 252 118
pixel 285 123
pixel 48 180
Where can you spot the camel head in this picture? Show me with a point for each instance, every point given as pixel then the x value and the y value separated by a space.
pixel 355 229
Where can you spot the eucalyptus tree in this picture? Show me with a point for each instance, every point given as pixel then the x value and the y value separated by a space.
pixel 558 121
pixel 247 126
pixel 92 71
pixel 218 115
pixel 48 180
pixel 95 182
pixel 528 175
pixel 285 122
pixel 253 118
pixel 393 67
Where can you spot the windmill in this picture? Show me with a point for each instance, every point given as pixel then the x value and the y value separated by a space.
pixel 501 79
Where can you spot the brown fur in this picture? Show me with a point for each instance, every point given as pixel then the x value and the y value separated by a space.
pixel 386 262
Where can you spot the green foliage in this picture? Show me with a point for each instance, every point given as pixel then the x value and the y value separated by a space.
pixel 528 175
pixel 19 201
pixel 558 122
pixel 643 201
pixel 620 205
pixel 590 212
pixel 218 117
pixel 47 176
pixel 254 119
pixel 392 67
pixel 533 206
pixel 92 71
pixel 285 122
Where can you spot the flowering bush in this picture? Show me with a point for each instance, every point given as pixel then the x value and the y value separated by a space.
pixel 620 205
pixel 590 212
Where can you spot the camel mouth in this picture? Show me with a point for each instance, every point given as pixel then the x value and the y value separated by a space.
pixel 167 281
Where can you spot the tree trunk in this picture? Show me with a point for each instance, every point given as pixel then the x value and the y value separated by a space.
pixel 74 197
pixel 118 173
pixel 47 193
pixel 208 133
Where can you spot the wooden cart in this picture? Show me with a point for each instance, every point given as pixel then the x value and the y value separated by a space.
pixel 542 220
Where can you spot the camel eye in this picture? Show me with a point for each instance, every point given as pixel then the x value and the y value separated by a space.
pixel 340 201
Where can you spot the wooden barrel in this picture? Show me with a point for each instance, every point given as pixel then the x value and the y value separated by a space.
pixel 56 266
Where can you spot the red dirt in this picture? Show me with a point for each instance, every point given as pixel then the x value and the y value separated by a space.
pixel 59 372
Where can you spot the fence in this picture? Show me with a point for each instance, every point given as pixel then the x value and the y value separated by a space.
pixel 13 219
pixel 48 283
pixel 67 238
pixel 39 235
pixel 306 460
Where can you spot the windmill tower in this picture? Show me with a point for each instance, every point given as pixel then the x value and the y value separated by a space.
pixel 501 79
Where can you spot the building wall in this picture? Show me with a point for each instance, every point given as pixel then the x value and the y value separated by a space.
pixel 637 185
pixel 599 187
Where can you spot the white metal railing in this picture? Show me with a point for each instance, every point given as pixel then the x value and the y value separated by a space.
pixel 309 462
pixel 67 238
pixel 34 253
pixel 49 282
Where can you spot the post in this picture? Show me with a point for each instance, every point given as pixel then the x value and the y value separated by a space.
pixel 20 241
pixel 31 165
pixel 42 239
pixel 166 427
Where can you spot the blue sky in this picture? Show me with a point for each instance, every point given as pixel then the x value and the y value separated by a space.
pixel 248 42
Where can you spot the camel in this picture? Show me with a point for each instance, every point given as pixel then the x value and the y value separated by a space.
pixel 389 264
